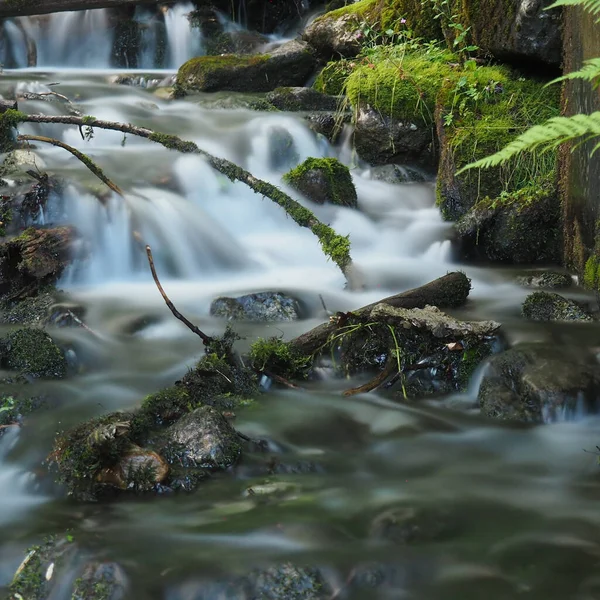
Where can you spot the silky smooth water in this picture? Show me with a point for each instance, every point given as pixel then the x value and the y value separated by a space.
pixel 520 503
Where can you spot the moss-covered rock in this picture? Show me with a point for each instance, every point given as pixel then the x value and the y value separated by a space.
pixel 547 306
pixel 273 355
pixel 518 228
pixel 289 65
pixel 31 352
pixel 301 99
pixel 7 132
pixel 540 383
pixel 323 180
pixel 260 307
pixel 16 405
pixel 100 581
pixel 343 31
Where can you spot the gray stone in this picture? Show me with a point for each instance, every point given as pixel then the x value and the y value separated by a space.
pixel 330 36
pixel 546 279
pixel 540 383
pixel 260 307
pixel 203 438
pixel 548 306
pixel 302 99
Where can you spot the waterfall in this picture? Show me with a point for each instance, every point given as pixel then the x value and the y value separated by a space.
pixel 85 39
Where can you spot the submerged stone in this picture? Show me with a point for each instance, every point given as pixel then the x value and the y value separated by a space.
pixel 260 307
pixel 101 581
pixel 324 180
pixel 540 383
pixel 546 279
pixel 548 306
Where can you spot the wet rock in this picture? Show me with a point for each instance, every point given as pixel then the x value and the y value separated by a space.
pixel 288 582
pixel 327 124
pixel 523 228
pixel 32 353
pixel 380 139
pixel 29 311
pixel 203 438
pixel 20 161
pixel 546 279
pixel 437 353
pixel 396 174
pixel 34 259
pixel 406 525
pixel 331 35
pixel 260 307
pixel 100 581
pixel 16 405
pixel 301 99
pixel 289 65
pixel 548 306
pixel 540 383
pixel 324 180
pixel 282 149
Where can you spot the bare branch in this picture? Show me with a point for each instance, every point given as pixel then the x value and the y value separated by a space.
pixel 205 338
pixel 86 160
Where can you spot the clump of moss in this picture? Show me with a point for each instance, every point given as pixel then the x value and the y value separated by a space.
pixel 332 78
pixel 279 357
pixel 8 122
pixel 336 246
pixel 547 306
pixel 32 352
pixel 323 180
pixel 13 407
pixel 591 274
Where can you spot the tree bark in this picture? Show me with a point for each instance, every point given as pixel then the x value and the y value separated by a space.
pixel 449 291
pixel 21 8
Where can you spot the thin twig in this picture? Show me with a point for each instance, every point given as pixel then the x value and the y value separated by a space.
pixel 86 160
pixel 281 380
pixel 205 338
pixel 376 381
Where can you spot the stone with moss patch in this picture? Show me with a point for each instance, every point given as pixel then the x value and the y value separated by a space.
pixel 259 307
pixel 289 65
pixel 276 356
pixel 31 352
pixel 546 279
pixel 523 227
pixel 100 581
pixel 323 180
pixel 548 306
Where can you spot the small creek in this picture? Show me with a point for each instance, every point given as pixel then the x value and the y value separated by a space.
pixel 518 505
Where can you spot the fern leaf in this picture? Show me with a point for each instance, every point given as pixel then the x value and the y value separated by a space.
pixel 551 134
pixel 590 6
pixel 589 71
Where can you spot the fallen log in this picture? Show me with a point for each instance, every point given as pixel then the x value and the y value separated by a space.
pixel 449 291
pixel 22 8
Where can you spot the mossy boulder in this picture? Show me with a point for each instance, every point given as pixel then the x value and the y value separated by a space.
pixel 548 306
pixel 540 383
pixel 324 180
pixel 32 353
pixel 342 32
pixel 260 307
pixel 301 99
pixel 291 64
pixel 519 228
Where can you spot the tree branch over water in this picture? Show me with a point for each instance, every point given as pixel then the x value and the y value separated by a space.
pixel 335 246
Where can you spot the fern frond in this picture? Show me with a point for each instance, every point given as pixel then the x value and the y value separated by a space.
pixel 551 134
pixel 590 6
pixel 589 71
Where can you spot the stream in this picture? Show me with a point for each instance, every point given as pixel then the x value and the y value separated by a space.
pixel 503 511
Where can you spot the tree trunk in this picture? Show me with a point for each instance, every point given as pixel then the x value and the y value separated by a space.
pixel 448 291
pixel 20 8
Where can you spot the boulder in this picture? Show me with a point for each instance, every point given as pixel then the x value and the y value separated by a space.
pixel 380 139
pixel 261 307
pixel 203 438
pixel 539 383
pixel 335 34
pixel 395 174
pixel 101 581
pixel 301 99
pixel 282 149
pixel 519 228
pixel 324 181
pixel 327 124
pixel 291 64
pixel 548 306
pixel 546 279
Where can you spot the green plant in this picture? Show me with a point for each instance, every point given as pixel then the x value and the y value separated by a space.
pixel 556 131
pixel 444 12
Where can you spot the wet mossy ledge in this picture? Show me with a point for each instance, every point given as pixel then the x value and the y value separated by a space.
pixel 289 65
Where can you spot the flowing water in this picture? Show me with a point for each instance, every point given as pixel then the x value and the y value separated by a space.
pixel 514 510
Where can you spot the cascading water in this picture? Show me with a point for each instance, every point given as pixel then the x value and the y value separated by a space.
pixel 84 39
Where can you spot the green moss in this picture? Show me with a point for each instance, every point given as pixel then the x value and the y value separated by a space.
pixel 336 246
pixel 13 407
pixel 548 306
pixel 591 273
pixel 172 142
pixel 276 356
pixel 32 352
pixel 332 78
pixel 334 181
pixel 9 120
